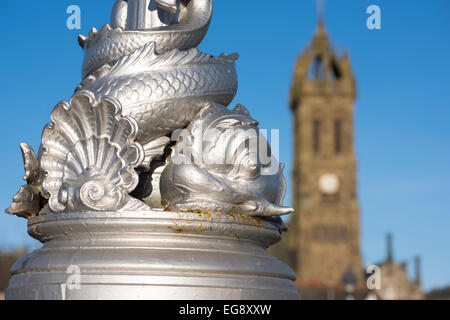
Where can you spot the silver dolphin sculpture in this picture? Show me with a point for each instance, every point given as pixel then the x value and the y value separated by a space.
pixel 214 167
pixel 164 92
pixel 113 41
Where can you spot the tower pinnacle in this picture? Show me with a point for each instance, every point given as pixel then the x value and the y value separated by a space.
pixel 320 11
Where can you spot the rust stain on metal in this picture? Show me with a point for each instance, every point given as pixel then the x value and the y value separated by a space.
pixel 256 221
pixel 184 227
pixel 199 212
pixel 190 228
pixel 175 228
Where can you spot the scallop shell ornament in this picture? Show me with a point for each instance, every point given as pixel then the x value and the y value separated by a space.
pixel 89 156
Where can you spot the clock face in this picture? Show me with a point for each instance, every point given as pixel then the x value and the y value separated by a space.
pixel 329 183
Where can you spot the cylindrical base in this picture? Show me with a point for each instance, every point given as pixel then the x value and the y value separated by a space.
pixel 151 255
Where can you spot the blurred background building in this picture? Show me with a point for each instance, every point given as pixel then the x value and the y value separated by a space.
pixel 323 242
pixel 395 283
pixel 7 259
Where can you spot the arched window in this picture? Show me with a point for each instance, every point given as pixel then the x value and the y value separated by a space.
pixel 316 136
pixel 337 136
pixel 335 73
pixel 317 69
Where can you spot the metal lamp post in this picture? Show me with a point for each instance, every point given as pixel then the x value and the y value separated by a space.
pixel 126 212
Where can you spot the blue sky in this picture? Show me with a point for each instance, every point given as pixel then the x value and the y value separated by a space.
pixel 402 110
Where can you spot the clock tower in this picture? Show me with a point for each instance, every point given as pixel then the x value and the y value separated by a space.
pixel 324 230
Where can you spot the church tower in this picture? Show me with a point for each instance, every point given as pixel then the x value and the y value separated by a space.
pixel 324 230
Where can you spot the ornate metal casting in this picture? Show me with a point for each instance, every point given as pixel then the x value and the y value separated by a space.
pixel 147 134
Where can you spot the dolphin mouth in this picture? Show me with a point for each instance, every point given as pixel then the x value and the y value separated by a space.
pixel 186 14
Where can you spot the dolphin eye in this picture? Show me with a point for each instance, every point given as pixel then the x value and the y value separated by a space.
pixel 249 165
